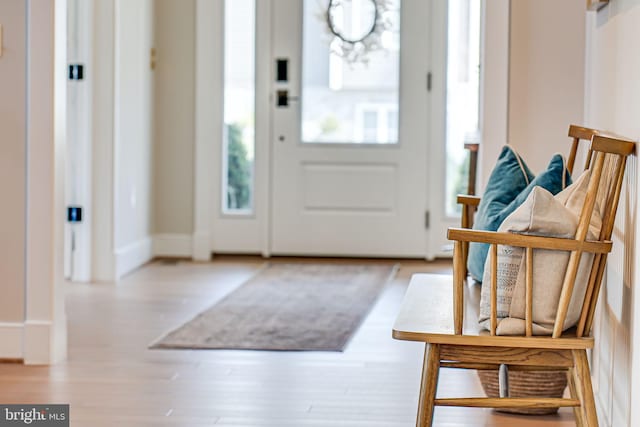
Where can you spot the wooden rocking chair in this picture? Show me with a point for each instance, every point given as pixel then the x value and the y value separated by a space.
pixel 443 312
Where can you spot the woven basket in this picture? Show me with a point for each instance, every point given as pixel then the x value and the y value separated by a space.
pixel 526 384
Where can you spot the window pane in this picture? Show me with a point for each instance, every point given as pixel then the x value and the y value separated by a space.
pixel 463 88
pixel 239 106
pixel 370 126
pixel 340 99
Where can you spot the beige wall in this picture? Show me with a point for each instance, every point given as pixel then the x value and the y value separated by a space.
pixel 546 76
pixel 12 161
pixel 174 116
pixel 133 123
pixel 613 103
pixel 494 86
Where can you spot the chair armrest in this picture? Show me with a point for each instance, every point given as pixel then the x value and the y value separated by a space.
pixel 465 199
pixel 528 241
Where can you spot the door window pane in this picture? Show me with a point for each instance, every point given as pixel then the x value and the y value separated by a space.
pixel 370 126
pixel 239 106
pixel 337 94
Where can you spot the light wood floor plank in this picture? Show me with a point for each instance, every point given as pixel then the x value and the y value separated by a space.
pixel 112 378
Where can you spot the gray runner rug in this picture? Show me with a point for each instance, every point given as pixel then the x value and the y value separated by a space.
pixel 287 307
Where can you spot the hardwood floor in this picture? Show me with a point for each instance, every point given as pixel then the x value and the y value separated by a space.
pixel 111 378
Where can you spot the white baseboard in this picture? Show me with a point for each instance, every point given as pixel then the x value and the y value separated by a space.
pixel 31 342
pixel 133 256
pixel 173 245
pixel 201 246
pixel 603 414
pixel 11 340
pixel 37 343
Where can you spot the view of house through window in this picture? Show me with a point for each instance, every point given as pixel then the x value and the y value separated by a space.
pixel 239 106
pixel 463 88
pixel 345 102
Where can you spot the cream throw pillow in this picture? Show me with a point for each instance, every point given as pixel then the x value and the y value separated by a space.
pixel 541 214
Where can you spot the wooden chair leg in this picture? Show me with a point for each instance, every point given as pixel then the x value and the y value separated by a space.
pixel 584 390
pixel 430 371
pixel 577 411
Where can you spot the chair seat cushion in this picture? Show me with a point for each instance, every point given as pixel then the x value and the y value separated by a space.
pixel 509 185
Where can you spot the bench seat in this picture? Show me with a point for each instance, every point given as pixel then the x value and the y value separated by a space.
pixel 426 315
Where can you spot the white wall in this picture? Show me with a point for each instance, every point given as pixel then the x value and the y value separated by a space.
pixel 45 331
pixel 613 103
pixel 494 86
pixel 143 133
pixel 174 121
pixel 533 79
pixel 546 76
pixel 12 175
pixel 122 122
pixel 132 134
pixel 102 112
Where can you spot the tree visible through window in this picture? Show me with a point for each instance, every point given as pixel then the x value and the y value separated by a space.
pixel 239 170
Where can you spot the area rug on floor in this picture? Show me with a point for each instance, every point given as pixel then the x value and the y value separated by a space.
pixel 287 307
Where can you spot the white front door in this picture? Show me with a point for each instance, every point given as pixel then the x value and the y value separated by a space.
pixel 349 163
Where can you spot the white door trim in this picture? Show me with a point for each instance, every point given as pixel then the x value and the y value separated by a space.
pixel 436 149
pixel 45 335
pixel 208 120
pixel 78 245
pixel 263 162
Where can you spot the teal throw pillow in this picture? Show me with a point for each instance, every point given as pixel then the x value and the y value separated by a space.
pixel 509 184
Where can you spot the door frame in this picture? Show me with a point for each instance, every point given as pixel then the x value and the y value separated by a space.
pixel 438 244
pixel 213 230
pixel 79 179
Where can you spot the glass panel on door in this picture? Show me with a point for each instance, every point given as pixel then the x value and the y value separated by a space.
pixel 347 101
pixel 239 107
